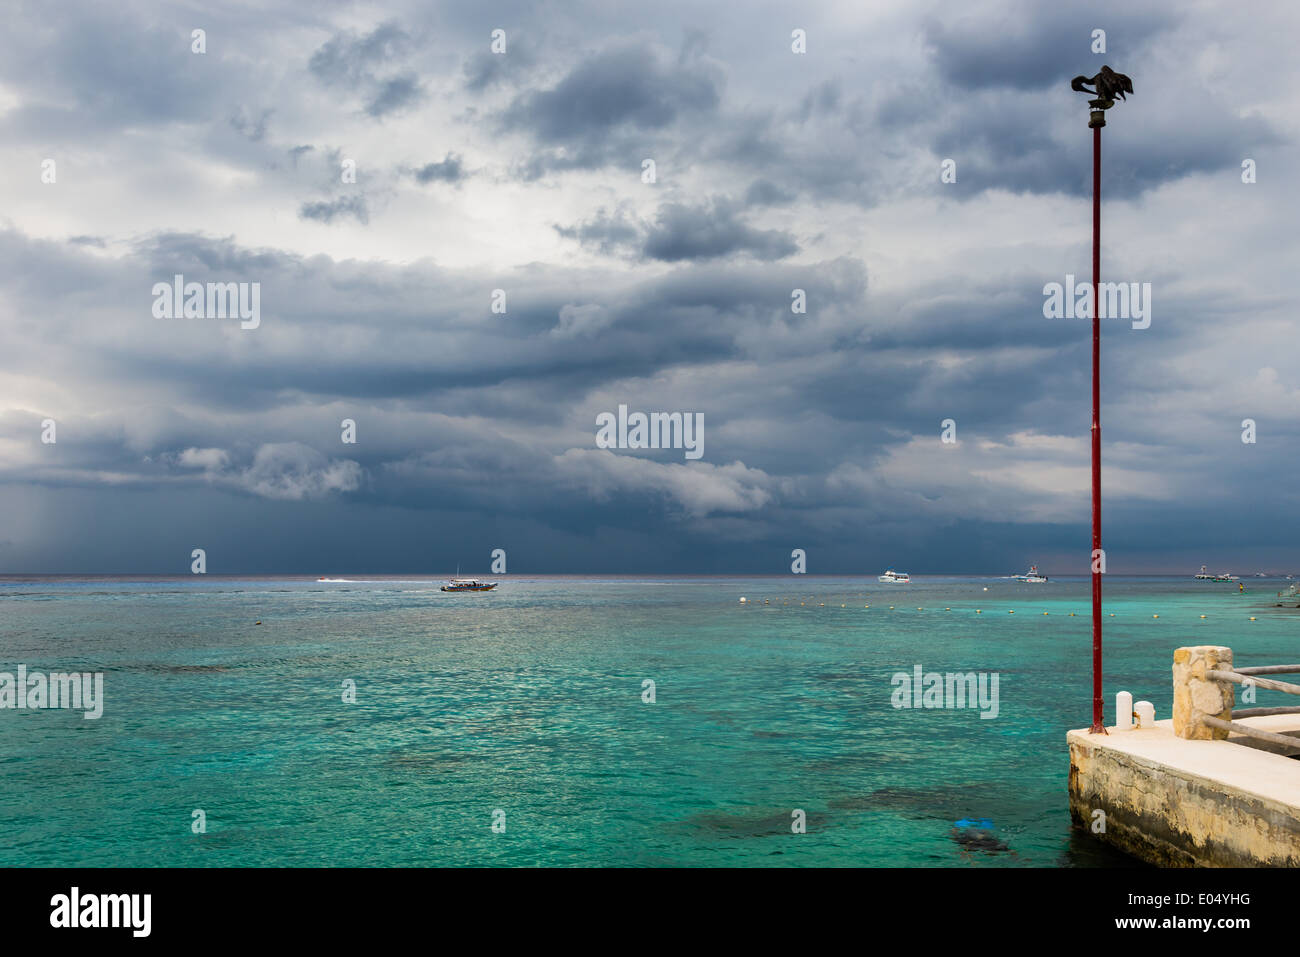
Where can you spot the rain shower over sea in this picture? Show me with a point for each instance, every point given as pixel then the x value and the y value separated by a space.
pixel 564 721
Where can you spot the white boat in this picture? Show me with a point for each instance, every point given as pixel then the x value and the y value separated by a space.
pixel 468 584
pixel 1030 577
pixel 1225 577
pixel 895 578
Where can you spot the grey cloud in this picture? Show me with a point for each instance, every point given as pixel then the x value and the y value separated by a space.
pixel 1027 48
pixel 477 426
pixel 691 316
pixel 825 98
pixel 350 57
pixel 605 105
pixel 326 211
pixel 622 87
pixel 249 127
pixel 450 169
pixel 709 231
pixel 485 69
pixel 1014 79
pixel 1023 149
pixel 394 94
pixel 680 231
pixel 360 62
pixel 606 232
pixel 79 84
pixel 763 192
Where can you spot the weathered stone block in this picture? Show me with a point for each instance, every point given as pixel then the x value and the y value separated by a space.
pixel 1196 695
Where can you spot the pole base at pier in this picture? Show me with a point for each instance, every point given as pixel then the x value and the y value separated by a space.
pixel 1176 802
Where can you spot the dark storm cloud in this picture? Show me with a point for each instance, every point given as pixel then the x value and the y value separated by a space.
pixel 1027 47
pixel 477 428
pixel 1000 119
pixel 691 316
pixel 874 378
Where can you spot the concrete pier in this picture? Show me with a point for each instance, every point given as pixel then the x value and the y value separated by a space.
pixel 1180 794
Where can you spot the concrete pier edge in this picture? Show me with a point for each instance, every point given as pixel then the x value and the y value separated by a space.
pixel 1177 793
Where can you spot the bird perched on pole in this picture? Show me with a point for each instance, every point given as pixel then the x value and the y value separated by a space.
pixel 1106 85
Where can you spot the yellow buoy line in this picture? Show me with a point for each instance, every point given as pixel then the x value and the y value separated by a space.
pixel 978 611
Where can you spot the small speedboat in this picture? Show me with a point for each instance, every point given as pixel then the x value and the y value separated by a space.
pixel 891 577
pixel 468 584
pixel 1030 577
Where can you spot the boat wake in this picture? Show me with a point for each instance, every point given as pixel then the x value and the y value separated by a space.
pixel 378 581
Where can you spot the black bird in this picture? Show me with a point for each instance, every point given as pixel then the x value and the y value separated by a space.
pixel 1108 83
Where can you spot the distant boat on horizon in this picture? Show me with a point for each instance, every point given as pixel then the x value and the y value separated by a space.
pixel 1030 577
pixel 891 577
pixel 1225 577
pixel 468 584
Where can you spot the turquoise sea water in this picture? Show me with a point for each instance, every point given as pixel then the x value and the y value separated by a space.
pixel 529 700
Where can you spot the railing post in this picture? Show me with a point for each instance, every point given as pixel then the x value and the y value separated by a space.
pixel 1196 695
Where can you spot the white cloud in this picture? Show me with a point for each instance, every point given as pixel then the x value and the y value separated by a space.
pixel 294 471
pixel 208 459
pixel 699 488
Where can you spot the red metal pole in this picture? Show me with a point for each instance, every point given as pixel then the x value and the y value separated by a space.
pixel 1098 722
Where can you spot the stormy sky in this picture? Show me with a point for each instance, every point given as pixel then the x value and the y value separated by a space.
pixel 520 178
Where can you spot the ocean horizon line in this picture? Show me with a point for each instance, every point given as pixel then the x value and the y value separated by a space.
pixel 343 577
